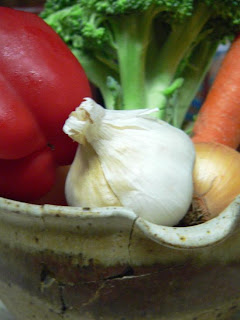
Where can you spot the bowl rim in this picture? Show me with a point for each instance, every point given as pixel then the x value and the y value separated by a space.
pixel 190 237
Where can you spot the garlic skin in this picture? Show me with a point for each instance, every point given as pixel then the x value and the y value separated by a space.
pixel 86 185
pixel 127 158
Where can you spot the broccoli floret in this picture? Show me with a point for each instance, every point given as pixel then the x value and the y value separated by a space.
pixel 145 53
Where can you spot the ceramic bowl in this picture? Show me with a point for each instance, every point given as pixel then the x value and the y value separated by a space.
pixel 61 262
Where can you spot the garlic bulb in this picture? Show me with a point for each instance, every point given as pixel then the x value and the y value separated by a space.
pixel 127 158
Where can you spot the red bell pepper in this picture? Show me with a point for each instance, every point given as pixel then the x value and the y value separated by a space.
pixel 41 82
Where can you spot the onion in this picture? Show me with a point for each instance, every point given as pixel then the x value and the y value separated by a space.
pixel 216 178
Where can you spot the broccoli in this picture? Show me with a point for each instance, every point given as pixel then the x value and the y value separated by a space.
pixel 145 53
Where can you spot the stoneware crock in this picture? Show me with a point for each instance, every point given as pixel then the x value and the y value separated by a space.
pixel 106 263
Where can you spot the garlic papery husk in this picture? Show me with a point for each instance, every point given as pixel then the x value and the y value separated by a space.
pixel 128 158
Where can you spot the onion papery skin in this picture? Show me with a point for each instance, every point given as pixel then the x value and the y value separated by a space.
pixel 216 178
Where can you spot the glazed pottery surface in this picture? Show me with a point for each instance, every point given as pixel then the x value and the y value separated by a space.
pixel 107 263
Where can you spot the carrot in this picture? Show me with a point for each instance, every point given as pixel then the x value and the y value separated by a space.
pixel 219 117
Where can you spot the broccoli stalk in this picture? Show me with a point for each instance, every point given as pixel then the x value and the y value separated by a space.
pixel 145 53
pixel 130 39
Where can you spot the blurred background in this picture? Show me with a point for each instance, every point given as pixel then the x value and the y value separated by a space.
pixel 27 5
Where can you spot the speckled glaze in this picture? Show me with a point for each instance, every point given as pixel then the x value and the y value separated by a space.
pixel 107 263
